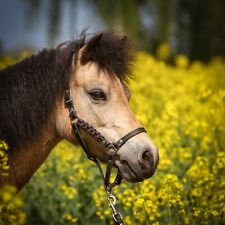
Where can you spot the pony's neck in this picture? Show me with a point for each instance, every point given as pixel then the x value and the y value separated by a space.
pixel 26 159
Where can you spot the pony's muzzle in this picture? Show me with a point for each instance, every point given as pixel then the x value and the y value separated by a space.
pixel 140 164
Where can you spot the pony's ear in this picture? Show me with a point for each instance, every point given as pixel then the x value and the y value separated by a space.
pixel 86 52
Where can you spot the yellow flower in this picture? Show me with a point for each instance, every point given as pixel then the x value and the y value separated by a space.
pixel 69 192
pixel 70 218
pixel 163 51
pixel 11 206
pixel 182 107
pixel 181 61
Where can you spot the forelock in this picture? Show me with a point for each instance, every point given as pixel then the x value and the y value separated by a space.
pixel 111 51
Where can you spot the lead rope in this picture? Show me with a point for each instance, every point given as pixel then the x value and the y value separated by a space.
pixel 118 219
pixel 75 123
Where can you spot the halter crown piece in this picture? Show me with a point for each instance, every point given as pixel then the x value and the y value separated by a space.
pixel 112 149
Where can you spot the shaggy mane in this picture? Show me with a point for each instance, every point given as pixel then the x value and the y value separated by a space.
pixel 30 89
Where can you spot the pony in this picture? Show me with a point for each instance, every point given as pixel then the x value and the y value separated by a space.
pixel 34 118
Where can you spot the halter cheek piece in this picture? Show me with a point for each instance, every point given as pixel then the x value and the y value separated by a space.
pixel 112 149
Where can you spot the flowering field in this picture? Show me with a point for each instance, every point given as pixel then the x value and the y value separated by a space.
pixel 183 109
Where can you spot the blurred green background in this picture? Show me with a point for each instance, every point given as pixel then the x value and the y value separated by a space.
pixel 191 27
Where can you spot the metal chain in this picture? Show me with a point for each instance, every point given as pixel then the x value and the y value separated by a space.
pixel 116 215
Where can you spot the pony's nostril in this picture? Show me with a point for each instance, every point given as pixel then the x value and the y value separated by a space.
pixel 145 156
pixel 146 161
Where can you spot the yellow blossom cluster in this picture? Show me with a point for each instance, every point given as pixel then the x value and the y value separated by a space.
pixel 182 106
pixel 11 204
pixel 11 207
pixel 4 167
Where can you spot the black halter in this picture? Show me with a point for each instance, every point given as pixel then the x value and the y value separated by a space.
pixel 112 148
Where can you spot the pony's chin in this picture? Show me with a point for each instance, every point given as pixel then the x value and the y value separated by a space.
pixel 127 173
pixel 131 178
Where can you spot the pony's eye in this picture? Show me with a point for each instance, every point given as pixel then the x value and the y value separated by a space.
pixel 97 94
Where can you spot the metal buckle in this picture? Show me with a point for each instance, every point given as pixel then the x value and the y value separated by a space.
pixel 68 102
pixel 72 113
pixel 111 149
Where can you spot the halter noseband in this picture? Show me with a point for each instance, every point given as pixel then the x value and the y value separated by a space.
pixel 112 148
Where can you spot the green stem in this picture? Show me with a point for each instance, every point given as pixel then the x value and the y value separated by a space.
pixel 169 209
pixel 149 222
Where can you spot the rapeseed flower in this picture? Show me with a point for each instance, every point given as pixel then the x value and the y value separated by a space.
pixel 182 107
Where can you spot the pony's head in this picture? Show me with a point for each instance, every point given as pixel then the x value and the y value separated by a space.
pixel 98 90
